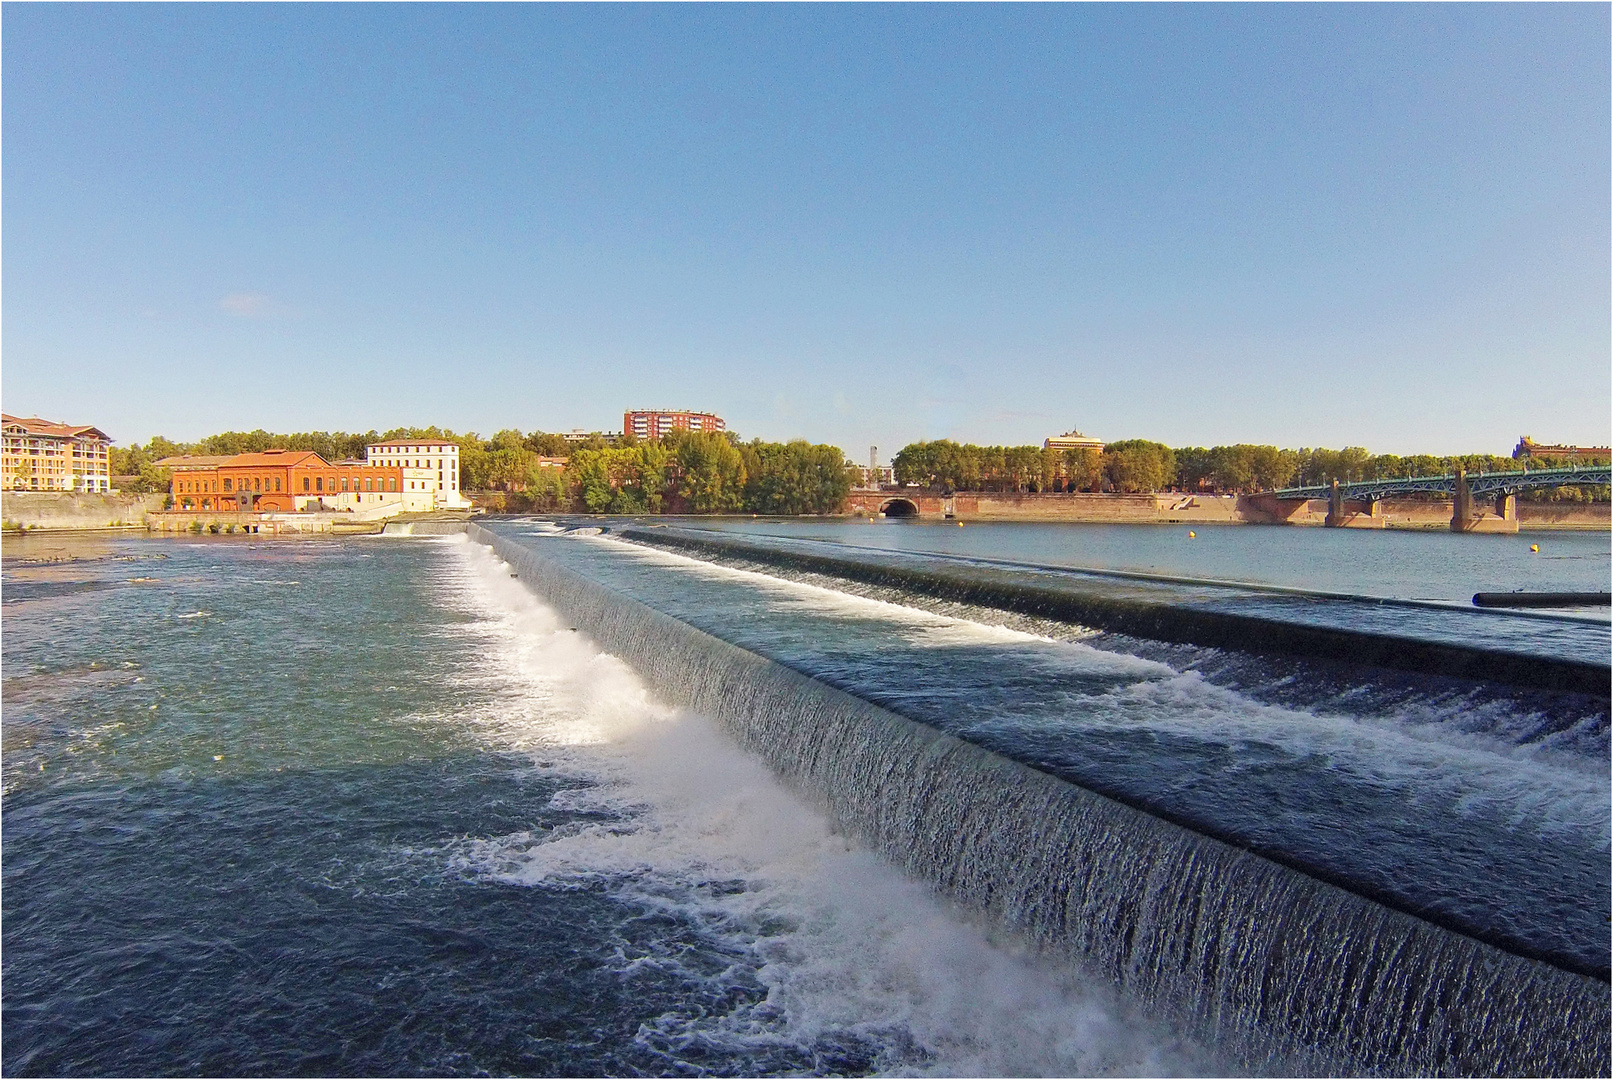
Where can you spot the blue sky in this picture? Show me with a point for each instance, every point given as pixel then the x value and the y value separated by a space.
pixel 1305 225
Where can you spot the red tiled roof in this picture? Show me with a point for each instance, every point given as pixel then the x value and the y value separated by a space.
pixel 33 425
pixel 192 461
pixel 267 458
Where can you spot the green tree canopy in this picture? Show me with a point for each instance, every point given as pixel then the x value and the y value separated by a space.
pixel 794 477
pixel 710 471
pixel 1139 465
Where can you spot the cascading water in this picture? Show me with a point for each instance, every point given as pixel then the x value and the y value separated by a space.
pixel 370 808
pixel 1274 963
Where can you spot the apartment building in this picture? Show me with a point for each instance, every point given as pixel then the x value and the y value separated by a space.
pixel 42 455
pixel 654 423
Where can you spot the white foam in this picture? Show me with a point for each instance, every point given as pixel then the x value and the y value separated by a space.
pixel 1454 773
pixel 925 629
pixel 1411 747
pixel 844 945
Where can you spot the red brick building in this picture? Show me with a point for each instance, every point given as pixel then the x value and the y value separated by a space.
pixel 1528 448
pixel 284 480
pixel 654 423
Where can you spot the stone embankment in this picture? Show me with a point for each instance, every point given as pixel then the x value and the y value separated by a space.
pixel 422 523
pixel 59 510
pixel 252 523
pixel 1594 516
pixel 42 511
pixel 1171 508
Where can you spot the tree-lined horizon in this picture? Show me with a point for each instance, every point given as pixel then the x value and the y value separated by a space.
pixel 691 472
pixel 1139 465
pixel 721 473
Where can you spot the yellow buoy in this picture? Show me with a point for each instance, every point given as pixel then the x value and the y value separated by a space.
pixel 960 524
pixel 1534 547
pixel 1191 534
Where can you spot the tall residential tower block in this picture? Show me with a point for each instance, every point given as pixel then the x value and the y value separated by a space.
pixel 654 423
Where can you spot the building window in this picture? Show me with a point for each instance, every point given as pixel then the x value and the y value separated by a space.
pixel 277 483
pixel 367 484
pixel 226 485
pixel 305 484
pixel 319 483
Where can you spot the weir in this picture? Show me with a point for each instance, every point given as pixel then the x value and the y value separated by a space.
pixel 1174 623
pixel 1283 970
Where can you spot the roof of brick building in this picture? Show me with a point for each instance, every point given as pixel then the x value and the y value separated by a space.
pixel 192 461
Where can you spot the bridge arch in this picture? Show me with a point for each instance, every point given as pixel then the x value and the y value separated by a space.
pixel 899 508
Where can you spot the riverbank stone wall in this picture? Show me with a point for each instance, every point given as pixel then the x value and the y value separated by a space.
pixel 67 510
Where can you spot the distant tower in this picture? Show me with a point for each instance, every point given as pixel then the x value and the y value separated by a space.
pixel 873 466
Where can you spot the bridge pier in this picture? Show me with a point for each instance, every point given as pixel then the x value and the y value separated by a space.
pixel 1345 513
pixel 1461 504
pixel 1464 518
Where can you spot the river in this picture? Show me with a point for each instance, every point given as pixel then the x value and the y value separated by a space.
pixel 377 805
pixel 1432 564
pixel 365 806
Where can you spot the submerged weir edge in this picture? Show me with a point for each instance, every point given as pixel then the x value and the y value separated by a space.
pixel 1169 622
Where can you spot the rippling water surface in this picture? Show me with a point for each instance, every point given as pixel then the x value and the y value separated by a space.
pixel 365 806
pixel 1482 808
pixel 1431 564
pixel 1398 583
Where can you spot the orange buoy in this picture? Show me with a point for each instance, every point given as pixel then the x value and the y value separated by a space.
pixel 1534 547
pixel 1191 534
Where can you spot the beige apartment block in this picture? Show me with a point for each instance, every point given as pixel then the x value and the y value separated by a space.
pixel 42 455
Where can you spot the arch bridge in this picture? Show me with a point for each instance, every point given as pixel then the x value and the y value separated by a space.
pixel 901 502
pixel 1349 502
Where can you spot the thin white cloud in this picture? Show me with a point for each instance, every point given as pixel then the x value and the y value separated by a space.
pixel 248 305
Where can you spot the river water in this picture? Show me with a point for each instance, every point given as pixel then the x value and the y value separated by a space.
pixel 1430 564
pixel 1414 584
pixel 368 806
pixel 363 806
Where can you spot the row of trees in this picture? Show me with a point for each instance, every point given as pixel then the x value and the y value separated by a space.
pixel 685 472
pixel 700 473
pixel 715 473
pixel 1134 465
pixel 1141 465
